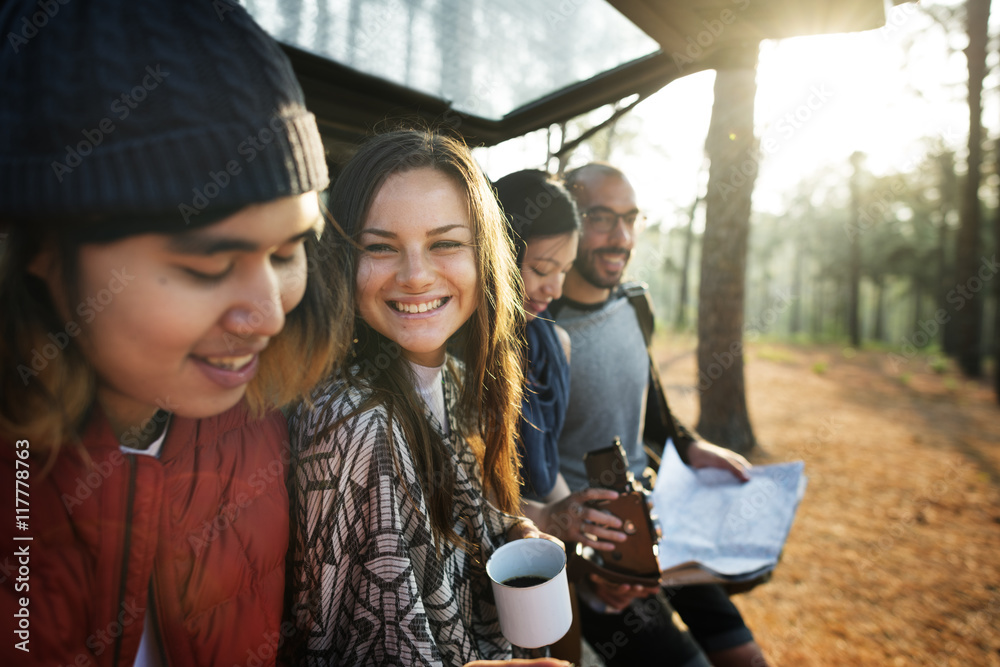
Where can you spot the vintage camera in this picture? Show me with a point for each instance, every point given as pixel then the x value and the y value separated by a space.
pixel 635 558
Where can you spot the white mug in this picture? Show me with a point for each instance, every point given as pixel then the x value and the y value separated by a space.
pixel 537 614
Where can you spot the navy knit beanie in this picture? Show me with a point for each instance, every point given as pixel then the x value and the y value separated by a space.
pixel 535 205
pixel 120 117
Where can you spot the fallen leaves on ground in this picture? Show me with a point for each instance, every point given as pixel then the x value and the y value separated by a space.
pixel 894 557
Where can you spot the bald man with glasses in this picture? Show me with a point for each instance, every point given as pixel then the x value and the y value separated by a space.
pixel 609 381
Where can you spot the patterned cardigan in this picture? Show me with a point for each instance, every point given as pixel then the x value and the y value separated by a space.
pixel 369 587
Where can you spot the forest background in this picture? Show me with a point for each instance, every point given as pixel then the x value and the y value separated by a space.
pixel 860 179
pixel 867 338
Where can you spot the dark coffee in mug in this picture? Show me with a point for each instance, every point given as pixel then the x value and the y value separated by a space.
pixel 525 581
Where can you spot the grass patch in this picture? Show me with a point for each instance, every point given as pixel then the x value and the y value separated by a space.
pixel 768 353
pixel 938 364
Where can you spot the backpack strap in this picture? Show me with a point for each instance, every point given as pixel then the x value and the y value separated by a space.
pixel 637 293
pixel 660 422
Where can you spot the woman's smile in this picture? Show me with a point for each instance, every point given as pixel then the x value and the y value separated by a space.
pixel 413 308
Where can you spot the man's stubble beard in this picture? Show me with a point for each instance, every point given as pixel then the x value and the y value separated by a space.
pixel 585 266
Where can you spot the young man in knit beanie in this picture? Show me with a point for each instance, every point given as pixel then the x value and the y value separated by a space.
pixel 158 210
pixel 159 219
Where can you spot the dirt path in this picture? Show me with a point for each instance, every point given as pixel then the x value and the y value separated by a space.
pixel 894 558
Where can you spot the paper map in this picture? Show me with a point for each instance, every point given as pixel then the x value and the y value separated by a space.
pixel 717 529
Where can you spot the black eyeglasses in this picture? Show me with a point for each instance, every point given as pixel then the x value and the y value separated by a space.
pixel 604 220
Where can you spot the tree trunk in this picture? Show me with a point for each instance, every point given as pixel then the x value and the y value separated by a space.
pixel 798 292
pixel 843 296
pixel 949 202
pixel 996 319
pixel 967 259
pixel 878 333
pixel 680 321
pixel 945 283
pixel 818 304
pixel 996 284
pixel 996 289
pixel 762 300
pixel 854 256
pixel 731 147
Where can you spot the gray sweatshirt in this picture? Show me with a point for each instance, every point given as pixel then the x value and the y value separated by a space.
pixel 609 373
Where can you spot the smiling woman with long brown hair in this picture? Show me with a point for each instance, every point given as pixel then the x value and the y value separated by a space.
pixel 406 476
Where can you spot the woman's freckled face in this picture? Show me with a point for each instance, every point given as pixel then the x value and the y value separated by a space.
pixel 417 280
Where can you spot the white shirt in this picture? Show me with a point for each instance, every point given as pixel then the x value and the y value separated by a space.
pixel 430 386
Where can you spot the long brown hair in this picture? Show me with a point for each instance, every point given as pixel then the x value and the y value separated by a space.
pixel 487 344
pixel 48 388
